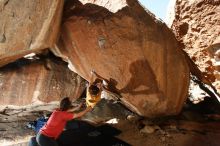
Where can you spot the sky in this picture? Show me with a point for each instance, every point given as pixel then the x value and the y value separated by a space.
pixel 158 7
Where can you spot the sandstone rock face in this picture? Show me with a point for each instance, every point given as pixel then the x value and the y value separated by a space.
pixel 112 6
pixel 38 80
pixel 27 26
pixel 197 25
pixel 138 52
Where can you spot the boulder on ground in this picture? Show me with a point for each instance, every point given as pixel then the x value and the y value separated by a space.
pixel 196 25
pixel 27 26
pixel 139 53
pixel 37 80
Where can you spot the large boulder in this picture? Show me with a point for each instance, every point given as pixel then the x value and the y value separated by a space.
pixel 130 46
pixel 37 80
pixel 27 26
pixel 196 25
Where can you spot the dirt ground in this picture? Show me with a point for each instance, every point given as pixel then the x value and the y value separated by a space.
pixel 187 134
pixel 184 134
pixel 190 128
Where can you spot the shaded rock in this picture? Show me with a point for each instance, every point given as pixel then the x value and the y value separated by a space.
pixel 199 127
pixel 192 116
pixel 173 127
pixel 139 52
pixel 29 81
pixel 105 111
pixel 27 26
pixel 201 39
pixel 147 122
pixel 2 38
pixel 215 117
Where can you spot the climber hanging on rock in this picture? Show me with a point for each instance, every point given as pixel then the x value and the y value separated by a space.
pixel 98 84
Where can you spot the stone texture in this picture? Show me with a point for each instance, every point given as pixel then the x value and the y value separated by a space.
pixel 27 26
pixel 197 26
pixel 130 46
pixel 147 129
pixel 111 5
pixel 37 80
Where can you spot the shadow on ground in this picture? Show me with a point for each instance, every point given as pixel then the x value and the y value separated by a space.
pixel 81 133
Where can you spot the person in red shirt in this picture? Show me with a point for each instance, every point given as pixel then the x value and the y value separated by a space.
pixel 53 128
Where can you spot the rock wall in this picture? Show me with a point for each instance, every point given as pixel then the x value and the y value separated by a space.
pixel 197 26
pixel 37 80
pixel 27 26
pixel 112 6
pixel 132 48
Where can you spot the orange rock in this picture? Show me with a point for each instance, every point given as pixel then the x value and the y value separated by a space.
pixel 38 80
pixel 130 46
pixel 27 26
pixel 201 38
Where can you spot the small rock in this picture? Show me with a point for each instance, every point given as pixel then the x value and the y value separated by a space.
pixel 162 132
pixel 73 7
pixel 132 118
pixel 167 135
pixel 148 129
pixel 163 138
pixel 156 127
pixel 89 22
pixel 173 127
pixel 101 42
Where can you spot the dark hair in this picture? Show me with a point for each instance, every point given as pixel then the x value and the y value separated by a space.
pixel 65 104
pixel 93 90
